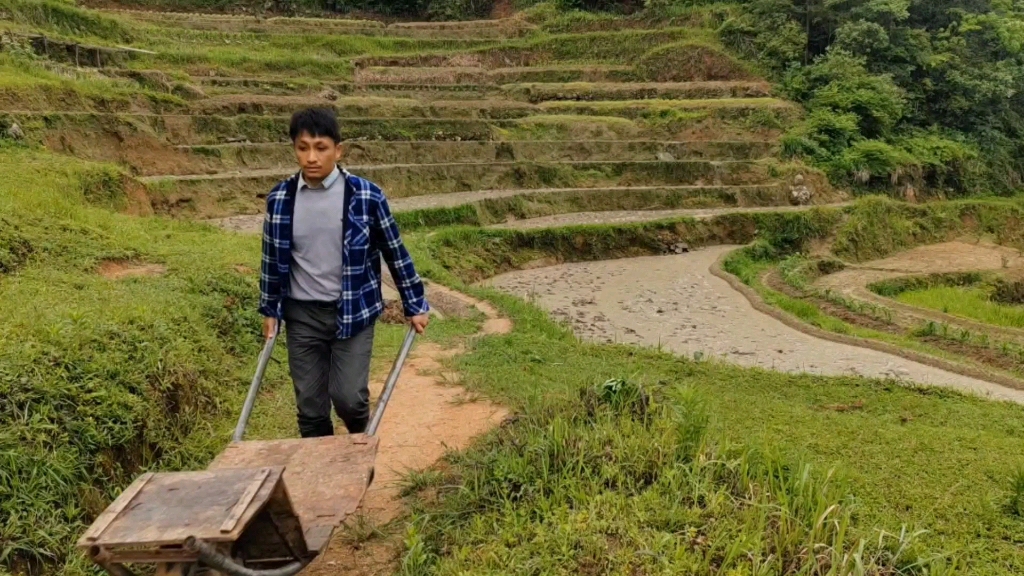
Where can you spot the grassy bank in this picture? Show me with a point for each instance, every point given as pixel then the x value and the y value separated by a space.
pixel 865 321
pixel 875 228
pixel 472 254
pixel 973 303
pixel 495 210
pixel 984 297
pixel 103 377
pixel 923 459
pixel 573 488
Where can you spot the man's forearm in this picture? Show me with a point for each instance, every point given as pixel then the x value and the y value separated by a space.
pixel 269 307
pixel 270 285
pixel 409 285
pixel 399 261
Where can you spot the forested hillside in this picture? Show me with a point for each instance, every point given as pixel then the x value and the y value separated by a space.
pixel 906 91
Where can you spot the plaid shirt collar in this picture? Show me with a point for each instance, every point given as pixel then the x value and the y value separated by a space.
pixel 327 183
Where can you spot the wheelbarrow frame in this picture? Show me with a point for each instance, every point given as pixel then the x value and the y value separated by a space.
pixel 253 496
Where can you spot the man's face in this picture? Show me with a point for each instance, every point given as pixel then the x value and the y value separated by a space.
pixel 316 155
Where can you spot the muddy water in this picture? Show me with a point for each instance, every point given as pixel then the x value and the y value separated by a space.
pixel 676 302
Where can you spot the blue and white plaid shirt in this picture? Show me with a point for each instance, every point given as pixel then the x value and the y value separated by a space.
pixel 369 231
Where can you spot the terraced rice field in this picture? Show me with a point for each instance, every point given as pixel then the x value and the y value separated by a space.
pixel 440 115
pixel 503 119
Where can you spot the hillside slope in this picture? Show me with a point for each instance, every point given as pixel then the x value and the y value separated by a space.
pixel 126 134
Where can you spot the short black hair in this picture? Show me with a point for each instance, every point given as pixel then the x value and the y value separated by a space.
pixel 316 122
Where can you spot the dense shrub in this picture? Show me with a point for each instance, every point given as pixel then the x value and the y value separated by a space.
pixel 1008 292
pixel 951 70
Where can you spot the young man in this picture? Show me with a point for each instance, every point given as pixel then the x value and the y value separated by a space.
pixel 324 233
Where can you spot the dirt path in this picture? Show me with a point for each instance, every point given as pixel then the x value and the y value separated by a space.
pixel 428 414
pixel 628 216
pixel 675 301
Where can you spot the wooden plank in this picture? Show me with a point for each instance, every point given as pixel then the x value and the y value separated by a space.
pixel 326 477
pixel 274 533
pixel 115 508
pixel 176 505
pixel 236 511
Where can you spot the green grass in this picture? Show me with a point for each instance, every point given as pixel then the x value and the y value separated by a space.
pixel 222 197
pixel 615 47
pixel 648 108
pixel 305 55
pixel 553 19
pixel 624 91
pixel 62 19
pixel 101 379
pixel 972 303
pixel 613 483
pixel 557 492
pixel 26 84
pixel 331 55
pixel 881 227
pixel 663 111
pixel 495 210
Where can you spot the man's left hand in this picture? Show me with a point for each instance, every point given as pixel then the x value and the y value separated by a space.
pixel 419 322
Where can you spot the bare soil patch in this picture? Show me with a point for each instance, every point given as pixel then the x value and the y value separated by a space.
pixel 118 269
pixel 956 256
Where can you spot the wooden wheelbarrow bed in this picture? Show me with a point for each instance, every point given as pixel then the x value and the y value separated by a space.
pixel 326 478
pixel 261 508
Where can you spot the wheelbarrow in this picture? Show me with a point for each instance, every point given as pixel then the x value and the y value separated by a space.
pixel 261 508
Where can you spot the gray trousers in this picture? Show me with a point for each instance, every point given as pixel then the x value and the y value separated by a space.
pixel 326 370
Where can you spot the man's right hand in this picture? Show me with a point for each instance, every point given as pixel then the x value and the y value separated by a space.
pixel 269 327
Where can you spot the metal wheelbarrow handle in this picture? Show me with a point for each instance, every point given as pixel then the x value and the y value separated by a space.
pixel 268 349
pixel 389 384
